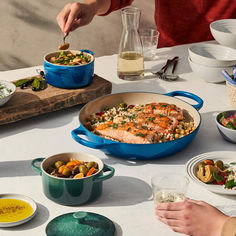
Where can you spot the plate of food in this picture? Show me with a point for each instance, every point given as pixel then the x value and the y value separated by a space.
pixel 216 171
pixel 16 209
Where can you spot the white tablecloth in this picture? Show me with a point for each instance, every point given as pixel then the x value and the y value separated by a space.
pixel 126 198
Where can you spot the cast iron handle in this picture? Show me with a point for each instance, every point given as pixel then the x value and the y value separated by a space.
pixel 188 95
pixel 107 176
pixel 37 169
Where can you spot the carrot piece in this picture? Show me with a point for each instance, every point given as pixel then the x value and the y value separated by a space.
pixel 74 159
pixel 91 171
pixel 209 162
pixel 72 164
pixel 78 176
pixel 61 168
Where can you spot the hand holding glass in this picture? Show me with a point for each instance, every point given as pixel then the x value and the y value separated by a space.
pixel 169 188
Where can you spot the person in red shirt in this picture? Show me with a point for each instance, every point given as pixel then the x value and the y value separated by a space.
pixel 178 21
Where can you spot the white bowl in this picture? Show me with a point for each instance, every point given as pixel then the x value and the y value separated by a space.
pixel 9 86
pixel 228 134
pixel 224 32
pixel 209 74
pixel 212 55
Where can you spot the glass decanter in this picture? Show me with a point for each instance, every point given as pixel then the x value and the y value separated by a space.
pixel 130 65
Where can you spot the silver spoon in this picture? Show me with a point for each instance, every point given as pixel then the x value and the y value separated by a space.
pixel 64 38
pixel 170 77
pixel 65 45
pixel 162 73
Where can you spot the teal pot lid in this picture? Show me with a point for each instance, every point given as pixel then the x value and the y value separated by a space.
pixel 80 223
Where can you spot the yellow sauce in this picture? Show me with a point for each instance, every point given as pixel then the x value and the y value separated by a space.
pixel 12 210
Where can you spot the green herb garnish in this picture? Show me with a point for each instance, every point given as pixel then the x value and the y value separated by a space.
pixel 140 134
pixel 114 126
pixel 151 118
pixel 230 125
pixel 220 117
pixel 217 177
pixel 230 184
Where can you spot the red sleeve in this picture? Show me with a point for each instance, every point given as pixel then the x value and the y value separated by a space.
pixel 116 5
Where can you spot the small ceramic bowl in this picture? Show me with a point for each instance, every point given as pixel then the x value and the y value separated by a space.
pixel 224 32
pixel 209 73
pixel 228 133
pixel 7 88
pixel 212 55
pixel 69 77
pixel 69 191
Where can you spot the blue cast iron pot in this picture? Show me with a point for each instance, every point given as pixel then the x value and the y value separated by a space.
pixel 68 191
pixel 69 77
pixel 138 151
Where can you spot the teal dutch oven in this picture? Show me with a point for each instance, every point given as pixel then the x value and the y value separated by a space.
pixel 69 191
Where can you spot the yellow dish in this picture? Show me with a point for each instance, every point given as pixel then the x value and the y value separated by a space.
pixel 15 209
pixel 12 210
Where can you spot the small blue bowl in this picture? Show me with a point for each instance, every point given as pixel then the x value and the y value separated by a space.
pixel 69 77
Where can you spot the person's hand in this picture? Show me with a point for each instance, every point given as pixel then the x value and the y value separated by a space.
pixel 191 217
pixel 74 15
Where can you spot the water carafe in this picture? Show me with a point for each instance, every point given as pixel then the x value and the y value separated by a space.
pixel 130 65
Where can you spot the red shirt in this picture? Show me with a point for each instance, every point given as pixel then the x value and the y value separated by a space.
pixel 185 21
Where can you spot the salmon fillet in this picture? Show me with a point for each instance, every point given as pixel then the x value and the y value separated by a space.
pixel 127 132
pixel 156 122
pixel 164 109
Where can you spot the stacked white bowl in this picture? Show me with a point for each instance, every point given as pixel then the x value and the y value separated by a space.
pixel 224 32
pixel 208 60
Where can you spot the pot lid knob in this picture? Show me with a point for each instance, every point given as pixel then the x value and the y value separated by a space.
pixel 80 216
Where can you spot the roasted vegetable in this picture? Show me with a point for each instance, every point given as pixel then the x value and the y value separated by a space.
pixel 208 162
pixel 219 164
pixel 204 173
pixel 20 82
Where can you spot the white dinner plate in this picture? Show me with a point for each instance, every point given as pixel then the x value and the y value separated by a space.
pixel 191 169
pixel 24 198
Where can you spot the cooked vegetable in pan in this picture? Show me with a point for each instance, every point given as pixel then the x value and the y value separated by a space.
pixel 74 169
pixel 217 172
pixel 140 124
pixel 66 58
pixel 228 119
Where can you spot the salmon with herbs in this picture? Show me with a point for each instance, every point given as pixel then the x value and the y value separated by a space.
pixel 140 124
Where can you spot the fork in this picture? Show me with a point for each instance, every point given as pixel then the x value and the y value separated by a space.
pixel 161 73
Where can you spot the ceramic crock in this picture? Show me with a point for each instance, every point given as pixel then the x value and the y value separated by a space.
pixel 138 151
pixel 68 191
pixel 69 77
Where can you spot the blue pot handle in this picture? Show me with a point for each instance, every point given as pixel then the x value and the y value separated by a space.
pixel 107 176
pixel 188 95
pixel 37 169
pixel 85 142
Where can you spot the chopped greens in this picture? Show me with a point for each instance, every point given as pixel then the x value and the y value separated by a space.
pixel 70 59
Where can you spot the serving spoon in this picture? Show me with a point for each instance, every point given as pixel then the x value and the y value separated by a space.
pixel 65 45
pixel 162 73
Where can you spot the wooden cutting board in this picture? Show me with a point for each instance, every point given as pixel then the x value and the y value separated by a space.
pixel 26 103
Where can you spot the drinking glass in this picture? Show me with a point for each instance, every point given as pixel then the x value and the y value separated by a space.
pixel 149 39
pixel 169 188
